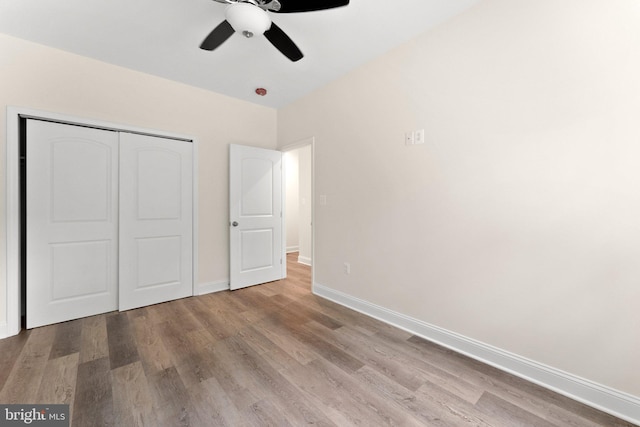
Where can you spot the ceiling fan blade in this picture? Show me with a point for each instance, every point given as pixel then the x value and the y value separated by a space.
pixel 291 6
pixel 283 43
pixel 216 37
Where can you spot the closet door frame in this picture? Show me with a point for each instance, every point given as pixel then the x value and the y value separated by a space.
pixel 12 222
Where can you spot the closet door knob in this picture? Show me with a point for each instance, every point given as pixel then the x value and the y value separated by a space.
pixel 234 223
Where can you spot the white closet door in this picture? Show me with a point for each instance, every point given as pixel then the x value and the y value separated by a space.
pixel 72 222
pixel 155 220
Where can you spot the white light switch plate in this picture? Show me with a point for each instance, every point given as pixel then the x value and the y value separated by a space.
pixel 409 138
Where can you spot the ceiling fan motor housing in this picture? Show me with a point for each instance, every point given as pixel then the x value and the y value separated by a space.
pixel 247 19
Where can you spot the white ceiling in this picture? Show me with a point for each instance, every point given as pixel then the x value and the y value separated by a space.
pixel 162 37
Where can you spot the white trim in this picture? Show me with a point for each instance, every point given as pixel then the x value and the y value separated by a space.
pixel 283 218
pixel 194 214
pixel 12 222
pixel 298 144
pixel 3 330
pixel 291 249
pixel 211 287
pixel 616 403
pixel 12 202
pixel 304 260
pixel 30 113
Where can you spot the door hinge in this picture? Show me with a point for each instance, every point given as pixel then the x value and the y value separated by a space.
pixel 280 261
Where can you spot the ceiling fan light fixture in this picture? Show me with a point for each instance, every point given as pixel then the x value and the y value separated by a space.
pixel 247 19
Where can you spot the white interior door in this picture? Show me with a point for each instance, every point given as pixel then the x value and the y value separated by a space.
pixel 156 221
pixel 256 223
pixel 72 222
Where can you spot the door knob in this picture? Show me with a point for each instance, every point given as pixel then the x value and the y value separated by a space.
pixel 234 223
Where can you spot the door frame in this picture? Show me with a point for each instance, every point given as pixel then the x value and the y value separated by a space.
pixel 311 141
pixel 12 197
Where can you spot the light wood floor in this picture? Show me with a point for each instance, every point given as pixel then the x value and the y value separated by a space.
pixel 268 355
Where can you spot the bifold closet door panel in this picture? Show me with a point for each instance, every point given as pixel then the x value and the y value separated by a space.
pixel 156 235
pixel 72 222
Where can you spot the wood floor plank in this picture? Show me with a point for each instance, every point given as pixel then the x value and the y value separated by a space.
pixel 228 309
pixel 366 325
pixel 228 300
pixel 122 345
pixel 10 349
pixel 196 367
pixel 58 385
pixel 132 401
pixel 291 322
pixel 311 314
pixel 263 413
pixel 213 405
pixel 175 340
pixel 93 402
pixel 176 312
pixel 477 374
pixel 502 412
pixel 326 349
pixel 259 305
pixel 188 352
pixel 374 354
pixel 402 366
pixel 25 378
pixel 93 339
pixel 256 340
pixel 448 409
pixel 67 340
pixel 425 409
pixel 280 337
pixel 151 350
pixel 154 313
pixel 268 382
pixel 219 323
pixel 344 400
pixel 274 355
pixel 172 405
pixel 267 291
pixel 231 377
pixel 185 315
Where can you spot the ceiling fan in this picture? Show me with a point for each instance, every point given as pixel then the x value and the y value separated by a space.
pixel 250 18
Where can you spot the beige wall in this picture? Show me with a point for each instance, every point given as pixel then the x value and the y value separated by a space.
pixel 39 77
pixel 518 223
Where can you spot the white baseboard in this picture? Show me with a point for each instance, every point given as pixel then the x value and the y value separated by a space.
pixel 292 249
pixel 616 403
pixel 207 288
pixel 4 330
pixel 304 260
